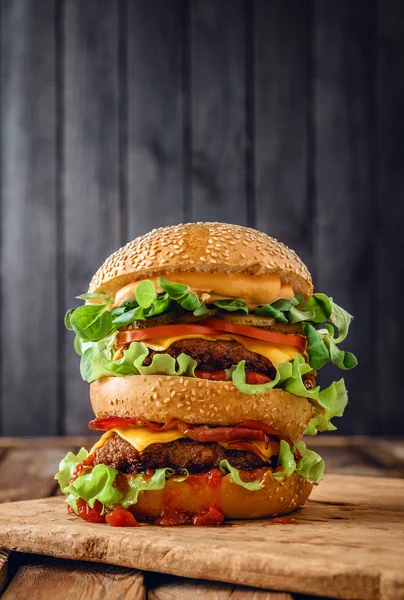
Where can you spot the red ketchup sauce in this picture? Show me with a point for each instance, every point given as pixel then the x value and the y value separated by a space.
pixel 284 520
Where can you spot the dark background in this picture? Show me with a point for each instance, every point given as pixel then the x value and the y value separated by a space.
pixel 118 116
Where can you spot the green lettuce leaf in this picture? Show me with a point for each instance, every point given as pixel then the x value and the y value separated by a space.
pixel 145 294
pixel 183 296
pixel 328 403
pixel 331 403
pixel 286 460
pixel 316 348
pixel 311 465
pixel 67 466
pixel 226 467
pixel 239 379
pixel 164 364
pixel 231 305
pixel 96 485
pixel 91 322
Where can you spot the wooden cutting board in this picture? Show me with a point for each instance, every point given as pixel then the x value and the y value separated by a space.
pixel 347 542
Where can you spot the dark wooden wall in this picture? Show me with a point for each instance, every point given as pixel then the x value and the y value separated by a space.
pixel 118 116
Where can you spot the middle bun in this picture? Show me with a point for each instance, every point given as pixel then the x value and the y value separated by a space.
pixel 160 398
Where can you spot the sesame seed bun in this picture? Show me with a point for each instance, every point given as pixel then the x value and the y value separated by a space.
pixel 160 398
pixel 202 247
pixel 235 502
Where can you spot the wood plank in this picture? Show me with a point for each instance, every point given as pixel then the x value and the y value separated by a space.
pixel 4 568
pixel 28 230
pixel 90 178
pixel 25 474
pixel 343 111
pixel 40 579
pixel 154 144
pixel 218 119
pixel 347 542
pixel 283 195
pixel 166 587
pixel 389 243
pixel 67 442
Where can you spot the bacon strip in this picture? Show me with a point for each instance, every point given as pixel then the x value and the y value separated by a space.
pixel 247 430
pixel 107 423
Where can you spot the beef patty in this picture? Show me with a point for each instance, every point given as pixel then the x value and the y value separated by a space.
pixel 219 355
pixel 216 356
pixel 181 454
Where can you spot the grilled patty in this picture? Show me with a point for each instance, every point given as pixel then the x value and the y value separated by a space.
pixel 181 454
pixel 219 355
pixel 216 356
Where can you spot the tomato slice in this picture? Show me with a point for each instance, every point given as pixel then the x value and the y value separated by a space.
pixel 90 514
pixel 119 517
pixel 137 335
pixel 289 339
pixel 212 375
pixel 256 378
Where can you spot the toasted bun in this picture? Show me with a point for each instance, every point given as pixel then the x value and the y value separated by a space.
pixel 235 501
pixel 160 398
pixel 202 247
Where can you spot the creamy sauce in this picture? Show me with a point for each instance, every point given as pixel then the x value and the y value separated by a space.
pixel 252 289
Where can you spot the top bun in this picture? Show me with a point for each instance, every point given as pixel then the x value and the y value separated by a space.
pixel 202 247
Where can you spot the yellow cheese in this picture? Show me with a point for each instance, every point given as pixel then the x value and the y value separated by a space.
pixel 271 450
pixel 276 353
pixel 140 437
pixel 252 289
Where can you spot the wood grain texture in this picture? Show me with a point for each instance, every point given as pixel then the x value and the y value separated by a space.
pixel 27 473
pixel 67 580
pixel 218 119
pixel 389 243
pixel 283 205
pixel 347 542
pixel 154 144
pixel 28 231
pixel 4 568
pixel 90 178
pixel 343 108
pixel 162 587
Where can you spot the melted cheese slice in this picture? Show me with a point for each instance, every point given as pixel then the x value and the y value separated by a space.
pixel 276 353
pixel 141 437
pixel 252 289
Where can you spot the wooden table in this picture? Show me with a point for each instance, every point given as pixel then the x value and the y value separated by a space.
pixel 27 468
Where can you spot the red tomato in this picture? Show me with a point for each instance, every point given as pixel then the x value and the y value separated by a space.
pixel 136 335
pixel 208 516
pixel 90 514
pixel 256 378
pixel 212 375
pixel 119 517
pixel 257 333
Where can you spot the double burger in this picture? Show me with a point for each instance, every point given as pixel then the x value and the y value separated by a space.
pixel 202 343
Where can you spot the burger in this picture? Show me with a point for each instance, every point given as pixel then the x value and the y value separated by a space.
pixel 202 343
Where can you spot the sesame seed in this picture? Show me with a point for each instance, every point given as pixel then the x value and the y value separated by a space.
pixel 158 404
pixel 166 400
pixel 186 382
pixel 189 407
pixel 173 393
pixel 228 408
pixel 180 405
pixel 155 396
pixel 181 380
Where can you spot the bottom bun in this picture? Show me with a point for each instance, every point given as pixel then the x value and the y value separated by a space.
pixel 234 501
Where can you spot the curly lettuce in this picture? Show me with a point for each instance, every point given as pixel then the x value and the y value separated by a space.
pixel 99 483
